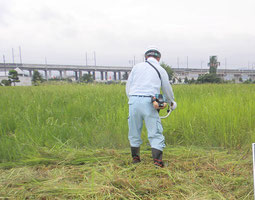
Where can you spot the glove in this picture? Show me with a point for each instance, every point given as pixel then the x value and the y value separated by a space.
pixel 156 106
pixel 173 105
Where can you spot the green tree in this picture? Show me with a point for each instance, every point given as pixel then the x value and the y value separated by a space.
pixel 168 69
pixel 213 64
pixel 192 81
pixel 248 81
pixel 209 78
pixel 240 79
pixel 13 76
pixel 37 78
pixel 125 76
pixel 87 78
pixel 6 82
pixel 179 80
pixel 186 80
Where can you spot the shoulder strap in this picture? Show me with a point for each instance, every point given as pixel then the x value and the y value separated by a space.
pixel 154 68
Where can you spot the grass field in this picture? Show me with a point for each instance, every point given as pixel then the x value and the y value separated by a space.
pixel 70 141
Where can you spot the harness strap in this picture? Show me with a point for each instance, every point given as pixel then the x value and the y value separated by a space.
pixel 155 69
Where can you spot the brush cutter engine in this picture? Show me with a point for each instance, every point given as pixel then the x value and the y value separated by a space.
pixel 159 101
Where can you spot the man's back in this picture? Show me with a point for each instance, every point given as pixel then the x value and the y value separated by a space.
pixel 144 79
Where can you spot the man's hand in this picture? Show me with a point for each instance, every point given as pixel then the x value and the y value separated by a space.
pixel 173 105
pixel 156 106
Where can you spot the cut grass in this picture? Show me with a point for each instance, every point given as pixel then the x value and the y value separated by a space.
pixel 191 173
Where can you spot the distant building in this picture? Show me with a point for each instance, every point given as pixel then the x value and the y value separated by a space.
pixel 226 74
pixel 24 80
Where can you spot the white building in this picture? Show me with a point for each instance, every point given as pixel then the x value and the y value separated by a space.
pixel 230 74
pixel 24 80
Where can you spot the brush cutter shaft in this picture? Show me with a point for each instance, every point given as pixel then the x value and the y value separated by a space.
pixel 168 113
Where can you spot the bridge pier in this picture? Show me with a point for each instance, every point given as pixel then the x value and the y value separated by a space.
pixel 102 75
pixel 46 74
pixel 76 75
pixel 50 73
pixel 30 73
pixel 80 75
pixel 65 76
pixel 114 76
pixel 60 74
pixel 94 75
pixel 106 74
pixel 119 72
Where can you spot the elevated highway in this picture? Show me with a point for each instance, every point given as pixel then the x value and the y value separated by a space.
pixel 78 70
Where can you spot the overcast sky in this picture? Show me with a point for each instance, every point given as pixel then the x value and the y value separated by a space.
pixel 119 30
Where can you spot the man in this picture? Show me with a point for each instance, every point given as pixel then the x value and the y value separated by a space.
pixel 144 82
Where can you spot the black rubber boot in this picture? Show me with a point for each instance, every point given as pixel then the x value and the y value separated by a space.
pixel 135 152
pixel 157 157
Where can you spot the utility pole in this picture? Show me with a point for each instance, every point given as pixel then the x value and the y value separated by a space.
pixel 225 65
pixel 131 62
pixel 178 63
pixel 252 72
pixel 86 59
pixel 13 55
pixel 95 58
pixel 46 66
pixel 20 55
pixel 187 62
pixel 4 65
pixel 248 72
pixel 201 66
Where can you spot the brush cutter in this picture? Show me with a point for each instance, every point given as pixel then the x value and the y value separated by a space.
pixel 159 103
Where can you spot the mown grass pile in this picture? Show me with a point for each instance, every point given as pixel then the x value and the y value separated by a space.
pixel 190 173
pixel 95 116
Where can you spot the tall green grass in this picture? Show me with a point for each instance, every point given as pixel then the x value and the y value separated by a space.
pixel 214 115
pixel 95 116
